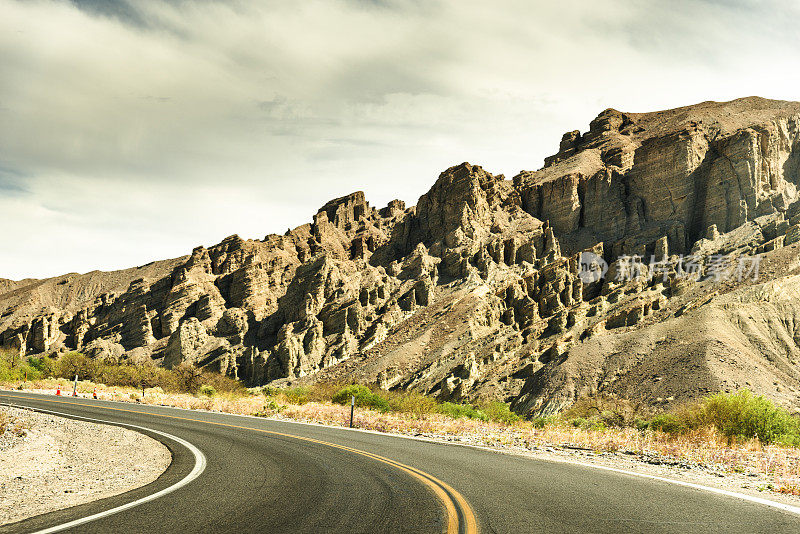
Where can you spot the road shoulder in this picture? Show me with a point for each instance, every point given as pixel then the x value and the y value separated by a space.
pixel 59 463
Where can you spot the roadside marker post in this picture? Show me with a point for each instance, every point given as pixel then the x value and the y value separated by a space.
pixel 75 387
pixel 352 408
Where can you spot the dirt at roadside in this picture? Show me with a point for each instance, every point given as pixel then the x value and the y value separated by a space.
pixel 55 463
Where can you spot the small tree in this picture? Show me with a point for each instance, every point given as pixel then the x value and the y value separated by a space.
pixel 147 377
pixel 11 357
pixel 189 377
pixel 74 363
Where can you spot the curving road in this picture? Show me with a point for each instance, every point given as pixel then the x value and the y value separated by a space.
pixel 270 476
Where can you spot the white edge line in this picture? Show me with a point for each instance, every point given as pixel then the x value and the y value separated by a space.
pixel 782 506
pixel 530 455
pixel 199 467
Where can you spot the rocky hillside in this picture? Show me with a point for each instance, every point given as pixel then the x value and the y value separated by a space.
pixel 491 287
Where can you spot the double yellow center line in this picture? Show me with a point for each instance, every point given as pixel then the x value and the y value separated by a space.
pixel 451 499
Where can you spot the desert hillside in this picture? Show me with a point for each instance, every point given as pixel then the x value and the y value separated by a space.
pixel 492 287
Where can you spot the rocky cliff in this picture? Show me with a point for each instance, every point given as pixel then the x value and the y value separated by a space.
pixel 480 289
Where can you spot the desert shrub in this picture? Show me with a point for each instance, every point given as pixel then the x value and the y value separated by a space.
pixel 542 422
pixel 116 375
pixel 641 424
pixel 588 423
pixel 297 395
pixel 12 425
pixel 270 408
pixel 613 418
pixel 10 358
pixel 410 402
pixel 742 415
pixel 458 411
pixel 20 372
pixel 788 440
pixel 323 392
pixel 668 423
pixel 207 390
pixel 577 422
pixel 595 424
pixel 612 411
pixel 267 391
pixel 365 398
pixel 499 412
pixel 14 367
pixel 43 366
pixel 222 383
pixel 188 377
pixel 74 363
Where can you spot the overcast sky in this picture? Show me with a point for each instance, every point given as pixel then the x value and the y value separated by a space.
pixel 135 131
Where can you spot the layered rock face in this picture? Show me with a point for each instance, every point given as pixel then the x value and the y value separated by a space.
pixel 671 173
pixel 479 290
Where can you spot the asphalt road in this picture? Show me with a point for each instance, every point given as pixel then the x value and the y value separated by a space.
pixel 271 476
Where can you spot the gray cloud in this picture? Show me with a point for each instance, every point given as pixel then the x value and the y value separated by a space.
pixel 132 131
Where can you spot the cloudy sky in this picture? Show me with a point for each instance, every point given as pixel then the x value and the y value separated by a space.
pixel 135 131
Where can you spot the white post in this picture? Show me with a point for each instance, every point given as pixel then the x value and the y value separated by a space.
pixel 75 386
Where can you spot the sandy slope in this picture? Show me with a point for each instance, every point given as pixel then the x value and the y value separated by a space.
pixel 61 463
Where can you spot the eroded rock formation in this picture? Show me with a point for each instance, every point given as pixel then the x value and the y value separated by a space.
pixel 477 291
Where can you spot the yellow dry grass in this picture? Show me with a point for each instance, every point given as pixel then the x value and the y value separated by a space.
pixel 704 447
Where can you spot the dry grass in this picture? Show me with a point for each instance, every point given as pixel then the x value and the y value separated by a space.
pixel 704 447
pixel 12 425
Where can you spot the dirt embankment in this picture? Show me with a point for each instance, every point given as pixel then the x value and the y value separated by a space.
pixel 48 463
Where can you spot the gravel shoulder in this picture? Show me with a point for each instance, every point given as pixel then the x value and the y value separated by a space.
pixel 57 463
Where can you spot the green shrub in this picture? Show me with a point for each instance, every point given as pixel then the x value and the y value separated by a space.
pixel 500 412
pixel 270 408
pixel 668 423
pixel 742 415
pixel 222 383
pixel 641 424
pixel 321 392
pixel 612 418
pixel 207 390
pixel 42 366
pixel 458 411
pixel 578 422
pixel 588 423
pixel 541 422
pixel 365 398
pixel 596 425
pixel 297 395
pixel 788 440
pixel 14 368
pixel 267 391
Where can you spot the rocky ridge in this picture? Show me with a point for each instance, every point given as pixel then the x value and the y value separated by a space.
pixel 479 290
